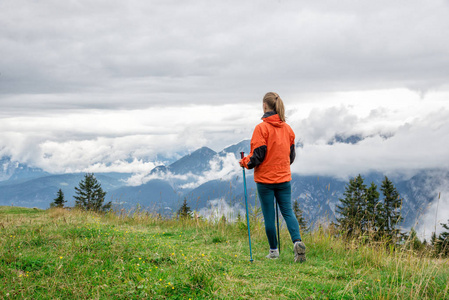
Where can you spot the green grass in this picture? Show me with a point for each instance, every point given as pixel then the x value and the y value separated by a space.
pixel 60 254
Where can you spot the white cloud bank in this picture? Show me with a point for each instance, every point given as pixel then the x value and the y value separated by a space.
pixel 139 54
pixel 435 215
pixel 402 133
pixel 120 85
pixel 218 208
pixel 406 139
pixel 221 168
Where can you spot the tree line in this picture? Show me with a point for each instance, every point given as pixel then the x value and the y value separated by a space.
pixel 364 213
pixel 89 195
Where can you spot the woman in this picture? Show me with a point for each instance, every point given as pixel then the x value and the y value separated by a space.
pixel 272 152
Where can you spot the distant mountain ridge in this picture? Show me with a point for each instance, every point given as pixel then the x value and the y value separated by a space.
pixel 203 176
pixel 14 170
pixel 196 163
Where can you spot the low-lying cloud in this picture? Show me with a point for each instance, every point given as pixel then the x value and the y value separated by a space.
pixel 222 167
pixel 219 208
pixel 420 143
pixel 437 213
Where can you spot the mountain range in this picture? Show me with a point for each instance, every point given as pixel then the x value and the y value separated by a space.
pixel 203 177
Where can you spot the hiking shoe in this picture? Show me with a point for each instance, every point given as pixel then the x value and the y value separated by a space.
pixel 273 254
pixel 300 252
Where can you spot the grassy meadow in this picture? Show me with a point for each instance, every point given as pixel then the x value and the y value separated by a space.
pixel 62 254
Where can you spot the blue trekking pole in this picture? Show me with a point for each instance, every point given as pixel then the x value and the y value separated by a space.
pixel 247 214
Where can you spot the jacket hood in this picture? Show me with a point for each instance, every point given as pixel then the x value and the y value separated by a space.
pixel 273 119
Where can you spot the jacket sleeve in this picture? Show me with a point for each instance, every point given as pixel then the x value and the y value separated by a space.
pixel 258 150
pixel 292 146
pixel 292 153
pixel 258 157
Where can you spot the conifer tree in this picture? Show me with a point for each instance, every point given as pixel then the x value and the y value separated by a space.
pixel 90 195
pixel 433 239
pixel 392 204
pixel 184 211
pixel 300 217
pixel 59 200
pixel 352 208
pixel 415 243
pixel 442 243
pixel 373 210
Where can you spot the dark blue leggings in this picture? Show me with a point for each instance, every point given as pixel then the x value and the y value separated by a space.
pixel 282 192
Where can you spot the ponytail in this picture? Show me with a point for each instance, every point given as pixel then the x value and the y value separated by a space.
pixel 275 103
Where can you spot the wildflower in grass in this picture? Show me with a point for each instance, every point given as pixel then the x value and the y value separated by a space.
pixel 60 257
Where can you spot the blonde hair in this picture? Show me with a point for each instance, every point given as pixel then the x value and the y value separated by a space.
pixel 274 102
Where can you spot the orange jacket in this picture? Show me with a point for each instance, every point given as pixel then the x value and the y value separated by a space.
pixel 272 150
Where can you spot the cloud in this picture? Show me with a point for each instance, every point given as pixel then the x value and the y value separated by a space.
pixel 410 147
pixel 221 168
pixel 85 140
pixel 218 208
pixel 137 54
pixel 437 212
pixel 80 140
pixel 144 176
pixel 105 83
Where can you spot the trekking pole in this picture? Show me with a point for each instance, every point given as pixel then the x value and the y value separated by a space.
pixel 277 220
pixel 247 214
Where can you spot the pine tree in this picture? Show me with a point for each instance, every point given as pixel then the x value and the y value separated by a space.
pixel 415 243
pixel 433 239
pixel 442 243
pixel 184 211
pixel 392 204
pixel 300 217
pixel 352 208
pixel 59 200
pixel 373 210
pixel 90 195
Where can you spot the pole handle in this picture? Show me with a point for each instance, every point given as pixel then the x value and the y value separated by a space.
pixel 242 155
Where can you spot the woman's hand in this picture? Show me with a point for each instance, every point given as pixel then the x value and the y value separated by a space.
pixel 241 163
pixel 244 162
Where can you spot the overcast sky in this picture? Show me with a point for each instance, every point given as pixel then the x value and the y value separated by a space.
pixel 108 85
